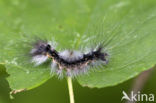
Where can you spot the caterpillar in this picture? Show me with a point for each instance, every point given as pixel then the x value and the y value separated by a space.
pixel 67 62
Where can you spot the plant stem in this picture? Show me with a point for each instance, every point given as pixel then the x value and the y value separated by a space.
pixel 70 88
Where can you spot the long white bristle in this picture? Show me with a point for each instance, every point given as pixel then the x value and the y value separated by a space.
pixel 39 59
pixel 53 67
pixel 71 55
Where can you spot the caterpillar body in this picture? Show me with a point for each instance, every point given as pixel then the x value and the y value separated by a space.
pixel 72 62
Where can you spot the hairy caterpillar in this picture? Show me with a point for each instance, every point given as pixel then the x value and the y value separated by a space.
pixel 70 63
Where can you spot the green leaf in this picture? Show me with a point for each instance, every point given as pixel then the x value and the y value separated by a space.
pixel 129 31
pixel 125 26
pixel 22 21
pixel 4 86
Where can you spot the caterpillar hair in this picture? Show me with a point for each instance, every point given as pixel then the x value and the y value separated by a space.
pixel 67 62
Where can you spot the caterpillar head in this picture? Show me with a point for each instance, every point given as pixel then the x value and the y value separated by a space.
pixel 39 52
pixel 40 48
